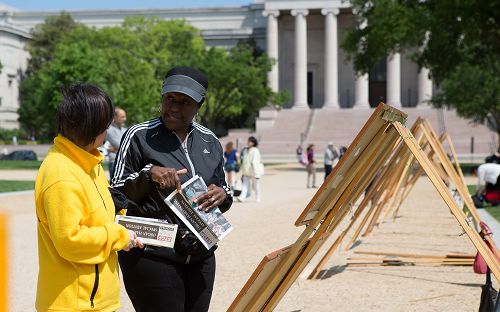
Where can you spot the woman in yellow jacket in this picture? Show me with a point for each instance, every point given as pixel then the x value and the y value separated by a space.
pixel 77 236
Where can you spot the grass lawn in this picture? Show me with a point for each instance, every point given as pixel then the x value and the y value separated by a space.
pixel 494 212
pixel 28 164
pixel 20 164
pixel 14 186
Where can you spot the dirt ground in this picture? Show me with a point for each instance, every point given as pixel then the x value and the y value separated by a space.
pixel 424 226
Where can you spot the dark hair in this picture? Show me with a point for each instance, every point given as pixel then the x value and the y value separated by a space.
pixel 85 112
pixel 253 140
pixel 192 73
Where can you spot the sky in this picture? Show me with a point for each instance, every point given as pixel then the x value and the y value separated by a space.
pixel 57 5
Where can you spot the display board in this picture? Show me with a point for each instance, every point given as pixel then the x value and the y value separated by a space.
pixel 382 138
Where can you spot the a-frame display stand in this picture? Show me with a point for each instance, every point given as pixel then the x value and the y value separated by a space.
pixel 397 179
pixel 369 152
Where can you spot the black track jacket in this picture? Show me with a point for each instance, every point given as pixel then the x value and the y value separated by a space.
pixel 151 143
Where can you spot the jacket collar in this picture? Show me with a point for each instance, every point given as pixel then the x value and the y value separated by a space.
pixel 87 161
pixel 190 128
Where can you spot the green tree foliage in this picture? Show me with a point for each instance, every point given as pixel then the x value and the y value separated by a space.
pixel 129 63
pixel 45 37
pixel 237 84
pixel 459 41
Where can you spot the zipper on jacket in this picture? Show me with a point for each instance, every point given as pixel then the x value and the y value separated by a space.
pixel 104 203
pixel 96 285
pixel 184 148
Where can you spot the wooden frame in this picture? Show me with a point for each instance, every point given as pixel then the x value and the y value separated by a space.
pixel 381 138
pixel 452 175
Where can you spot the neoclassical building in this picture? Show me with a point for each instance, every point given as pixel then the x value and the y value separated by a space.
pixel 302 35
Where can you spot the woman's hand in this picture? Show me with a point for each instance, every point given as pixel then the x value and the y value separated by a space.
pixel 167 177
pixel 133 242
pixel 211 199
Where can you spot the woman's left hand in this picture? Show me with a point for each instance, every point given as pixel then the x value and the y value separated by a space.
pixel 211 199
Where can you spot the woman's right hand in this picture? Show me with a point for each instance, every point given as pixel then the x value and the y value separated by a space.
pixel 133 242
pixel 167 177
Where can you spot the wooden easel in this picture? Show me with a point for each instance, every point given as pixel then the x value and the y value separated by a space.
pixel 376 143
pixel 405 181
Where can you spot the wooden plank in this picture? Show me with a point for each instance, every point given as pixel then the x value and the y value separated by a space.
pixel 326 256
pixel 376 143
pixel 355 150
pixel 357 213
pixel 455 159
pixel 371 137
pixel 408 259
pixel 410 255
pixel 258 277
pixel 456 211
pixel 395 179
pixel 457 181
pixel 367 160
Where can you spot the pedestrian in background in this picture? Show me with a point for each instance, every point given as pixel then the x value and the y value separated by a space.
pixel 114 137
pixel 251 170
pixel 331 156
pixel 311 167
pixel 231 165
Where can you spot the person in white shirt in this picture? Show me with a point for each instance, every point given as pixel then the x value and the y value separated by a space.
pixel 251 170
pixel 114 137
pixel 331 158
pixel 488 184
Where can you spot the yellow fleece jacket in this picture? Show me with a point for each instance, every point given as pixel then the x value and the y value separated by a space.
pixel 76 232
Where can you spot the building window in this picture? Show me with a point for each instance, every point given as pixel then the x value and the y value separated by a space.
pixel 10 78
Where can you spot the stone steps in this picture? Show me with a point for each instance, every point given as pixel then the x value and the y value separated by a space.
pixel 279 132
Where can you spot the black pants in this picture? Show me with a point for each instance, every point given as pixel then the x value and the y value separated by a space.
pixel 328 170
pixel 156 284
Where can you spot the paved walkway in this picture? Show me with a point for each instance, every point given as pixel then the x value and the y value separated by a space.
pixel 425 226
pixel 492 223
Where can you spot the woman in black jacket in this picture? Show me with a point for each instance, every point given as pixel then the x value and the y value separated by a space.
pixel 154 159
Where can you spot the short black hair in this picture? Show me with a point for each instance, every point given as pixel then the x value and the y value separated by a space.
pixel 253 140
pixel 192 73
pixel 84 112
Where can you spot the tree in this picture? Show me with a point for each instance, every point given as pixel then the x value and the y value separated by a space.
pixel 124 61
pixel 459 41
pixel 129 63
pixel 45 37
pixel 237 84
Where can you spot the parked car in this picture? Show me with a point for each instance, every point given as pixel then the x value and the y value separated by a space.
pixel 20 155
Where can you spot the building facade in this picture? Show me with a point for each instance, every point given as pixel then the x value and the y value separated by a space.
pixel 303 36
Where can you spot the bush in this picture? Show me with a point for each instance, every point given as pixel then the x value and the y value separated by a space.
pixel 7 134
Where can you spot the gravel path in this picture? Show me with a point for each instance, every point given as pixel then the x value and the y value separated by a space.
pixel 424 226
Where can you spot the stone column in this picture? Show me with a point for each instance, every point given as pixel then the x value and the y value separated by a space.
pixel 272 48
pixel 361 84
pixel 424 87
pixel 300 75
pixel 361 92
pixel 331 59
pixel 394 80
